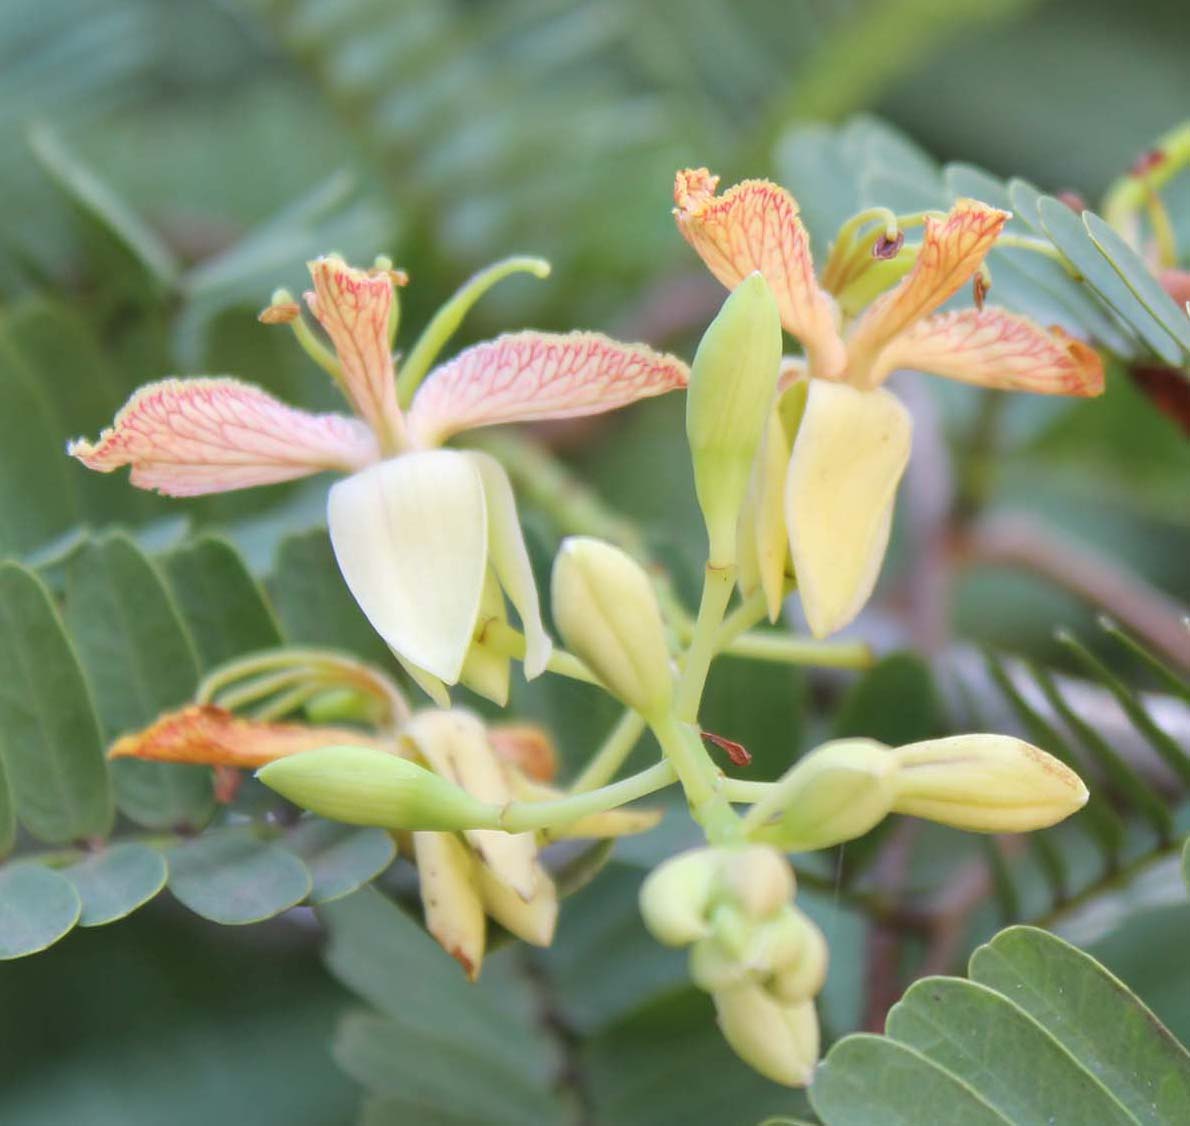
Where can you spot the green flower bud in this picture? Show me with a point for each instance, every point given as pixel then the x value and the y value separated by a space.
pixel 836 793
pixel 801 967
pixel 732 383
pixel 676 897
pixel 361 786
pixel 713 967
pixel 985 783
pixel 780 1041
pixel 757 878
pixel 607 613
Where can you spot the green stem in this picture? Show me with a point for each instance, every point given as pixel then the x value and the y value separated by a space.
pixel 1038 246
pixel 718 583
pixel 610 756
pixel 502 638
pixel 446 321
pixel 745 791
pixel 751 611
pixel 528 816
pixel 261 687
pixel 783 649
pixel 701 779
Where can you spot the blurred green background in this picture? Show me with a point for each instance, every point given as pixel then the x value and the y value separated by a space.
pixel 238 137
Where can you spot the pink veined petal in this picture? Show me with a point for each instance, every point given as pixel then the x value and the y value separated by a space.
pixel 755 226
pixel 184 437
pixel 992 347
pixel 528 376
pixel 354 307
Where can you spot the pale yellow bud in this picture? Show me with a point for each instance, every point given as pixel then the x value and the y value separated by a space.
pixel 675 898
pixel 732 382
pixel 985 783
pixel 779 1041
pixel 361 786
pixel 757 878
pixel 835 793
pixel 606 610
pixel 804 974
pixel 713 967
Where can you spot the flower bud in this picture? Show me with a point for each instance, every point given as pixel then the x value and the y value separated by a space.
pixel 779 1041
pixel 676 897
pixel 836 793
pixel 732 382
pixel 360 786
pixel 757 878
pixel 713 967
pixel 985 783
pixel 607 613
pixel 803 976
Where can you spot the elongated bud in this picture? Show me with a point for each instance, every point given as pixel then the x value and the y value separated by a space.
pixel 366 787
pixel 836 793
pixel 985 783
pixel 732 383
pixel 780 1041
pixel 607 613
pixel 676 897
pixel 802 964
pixel 756 878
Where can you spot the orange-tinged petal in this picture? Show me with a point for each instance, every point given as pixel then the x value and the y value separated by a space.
pixel 184 437
pixel 205 734
pixel 354 307
pixel 527 376
pixel 527 747
pixel 952 250
pixel 755 226
pixel 995 348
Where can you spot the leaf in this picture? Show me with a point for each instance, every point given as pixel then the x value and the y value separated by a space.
pixel 37 907
pixel 895 702
pixel 223 606
pixel 340 858
pixel 116 881
pixel 1070 236
pixel 1094 1016
pixel 1186 863
pixel 234 876
pixel 49 735
pixel 868 1079
pixel 140 662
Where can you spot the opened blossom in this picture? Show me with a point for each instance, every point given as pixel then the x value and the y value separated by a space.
pixel 427 539
pixel 837 443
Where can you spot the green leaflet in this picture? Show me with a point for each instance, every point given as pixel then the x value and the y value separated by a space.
pixel 37 907
pixel 340 858
pixel 1041 1033
pixel 49 735
pixel 140 662
pixel 234 876
pixel 116 881
pixel 221 603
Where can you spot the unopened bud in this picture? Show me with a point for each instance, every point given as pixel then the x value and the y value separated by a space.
pixel 676 897
pixel 713 967
pixel 282 309
pixel 732 383
pixel 779 1041
pixel 801 966
pixel 607 613
pixel 985 783
pixel 359 786
pixel 835 793
pixel 756 878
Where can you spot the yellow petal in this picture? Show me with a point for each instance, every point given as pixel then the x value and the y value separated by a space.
pixel 780 1041
pixel 533 920
pixel 510 560
pixel 994 348
pixel 214 736
pixel 850 451
pixel 451 897
pixel 426 681
pixel 410 536
pixel 485 672
pixel 755 226
pixel 952 250
pixel 455 745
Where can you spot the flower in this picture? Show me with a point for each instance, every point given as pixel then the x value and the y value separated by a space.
pixel 835 449
pixel 427 539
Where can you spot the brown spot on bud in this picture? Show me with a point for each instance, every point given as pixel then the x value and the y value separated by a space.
pixel 980 287
pixel 282 313
pixel 737 752
pixel 885 248
pixel 1073 200
pixel 1146 162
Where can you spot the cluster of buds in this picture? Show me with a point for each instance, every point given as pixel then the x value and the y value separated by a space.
pixel 760 958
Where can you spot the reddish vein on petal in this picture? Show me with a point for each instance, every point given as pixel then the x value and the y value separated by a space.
pixel 755 226
pixel 992 347
pixel 185 437
pixel 354 307
pixel 529 376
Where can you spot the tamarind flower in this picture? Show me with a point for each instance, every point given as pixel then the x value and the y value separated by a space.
pixel 426 538
pixel 835 448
